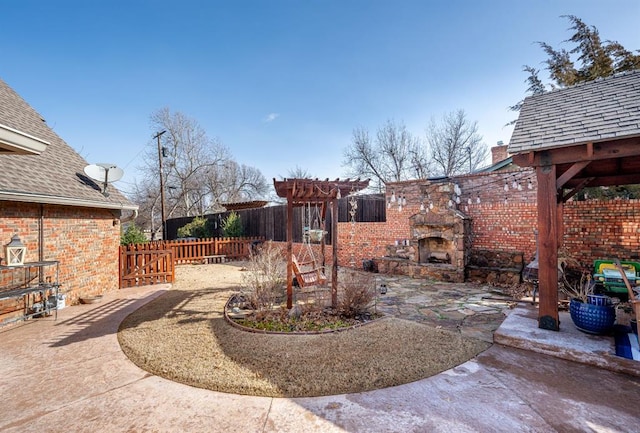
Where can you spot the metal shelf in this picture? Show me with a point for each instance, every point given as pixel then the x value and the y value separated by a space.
pixel 28 290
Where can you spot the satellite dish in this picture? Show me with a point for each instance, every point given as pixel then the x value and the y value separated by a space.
pixel 104 173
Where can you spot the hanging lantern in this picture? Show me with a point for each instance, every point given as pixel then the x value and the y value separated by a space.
pixel 529 184
pixel 506 187
pixel 478 199
pixel 15 252
pixel 393 196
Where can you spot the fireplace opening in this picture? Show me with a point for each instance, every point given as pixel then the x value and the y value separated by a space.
pixel 435 250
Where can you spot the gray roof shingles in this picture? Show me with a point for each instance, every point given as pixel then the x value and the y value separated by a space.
pixel 57 172
pixel 599 110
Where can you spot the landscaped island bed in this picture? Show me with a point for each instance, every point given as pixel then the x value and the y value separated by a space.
pixel 183 336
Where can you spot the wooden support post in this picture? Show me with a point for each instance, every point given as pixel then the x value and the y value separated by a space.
pixel 323 244
pixel 289 248
pixel 548 241
pixel 560 222
pixel 334 248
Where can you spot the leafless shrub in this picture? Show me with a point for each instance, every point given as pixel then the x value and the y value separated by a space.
pixel 357 294
pixel 578 289
pixel 265 276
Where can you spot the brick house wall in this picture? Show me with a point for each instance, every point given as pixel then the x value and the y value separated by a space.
pixel 84 240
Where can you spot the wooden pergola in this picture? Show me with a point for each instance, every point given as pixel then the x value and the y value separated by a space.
pixel 242 205
pixel 325 194
pixel 583 136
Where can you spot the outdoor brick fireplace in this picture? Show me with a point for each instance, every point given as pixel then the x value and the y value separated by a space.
pixel 438 242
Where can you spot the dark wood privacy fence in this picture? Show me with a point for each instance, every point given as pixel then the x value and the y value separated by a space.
pixel 154 262
pixel 270 222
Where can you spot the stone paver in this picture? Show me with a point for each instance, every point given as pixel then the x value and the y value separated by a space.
pixel 447 305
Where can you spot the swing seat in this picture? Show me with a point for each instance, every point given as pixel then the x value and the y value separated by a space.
pixel 307 277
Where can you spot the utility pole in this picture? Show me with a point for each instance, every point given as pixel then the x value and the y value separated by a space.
pixel 164 226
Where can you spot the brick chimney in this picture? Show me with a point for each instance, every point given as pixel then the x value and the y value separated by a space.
pixel 499 153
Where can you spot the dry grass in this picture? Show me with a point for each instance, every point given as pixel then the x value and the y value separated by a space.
pixel 183 336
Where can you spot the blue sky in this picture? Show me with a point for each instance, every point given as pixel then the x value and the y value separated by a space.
pixel 280 83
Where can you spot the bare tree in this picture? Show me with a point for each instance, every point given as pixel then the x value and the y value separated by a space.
pixel 455 145
pixel 188 153
pixel 421 165
pixel 299 173
pixel 233 182
pixel 146 195
pixel 387 158
pixel 198 171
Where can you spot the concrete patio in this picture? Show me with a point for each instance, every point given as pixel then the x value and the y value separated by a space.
pixel 69 375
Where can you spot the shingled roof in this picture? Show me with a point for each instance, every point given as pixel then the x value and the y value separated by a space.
pixel 595 111
pixel 56 175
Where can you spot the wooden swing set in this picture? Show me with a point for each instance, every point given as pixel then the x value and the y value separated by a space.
pixel 309 270
pixel 323 194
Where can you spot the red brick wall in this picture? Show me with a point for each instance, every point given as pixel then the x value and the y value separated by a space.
pixel 85 241
pixel 593 229
pixel 500 227
pixel 495 225
pixel 597 229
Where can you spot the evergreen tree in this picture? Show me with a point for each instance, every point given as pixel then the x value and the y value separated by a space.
pixel 197 228
pixel 232 226
pixel 132 235
pixel 594 58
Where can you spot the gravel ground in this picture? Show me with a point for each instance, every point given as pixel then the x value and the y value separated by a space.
pixel 183 336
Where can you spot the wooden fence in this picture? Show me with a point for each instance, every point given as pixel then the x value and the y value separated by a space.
pixel 271 222
pixel 154 262
pixel 197 250
pixel 144 264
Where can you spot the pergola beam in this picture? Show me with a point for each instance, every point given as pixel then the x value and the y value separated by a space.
pixel 577 189
pixel 570 173
pixel 622 148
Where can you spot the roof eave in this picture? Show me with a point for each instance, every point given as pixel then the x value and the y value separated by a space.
pixel 63 201
pixel 20 143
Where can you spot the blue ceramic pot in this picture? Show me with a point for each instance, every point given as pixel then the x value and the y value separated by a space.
pixel 594 319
